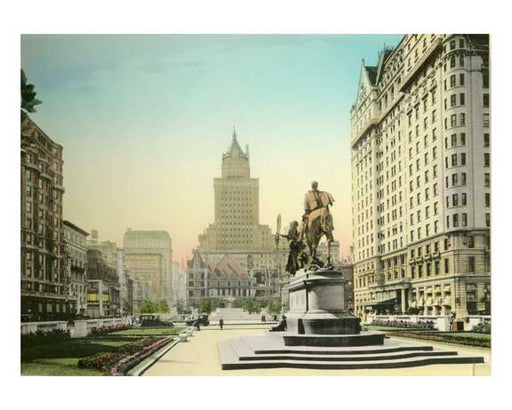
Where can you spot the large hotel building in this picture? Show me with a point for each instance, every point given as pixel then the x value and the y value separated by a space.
pixel 44 286
pixel 421 178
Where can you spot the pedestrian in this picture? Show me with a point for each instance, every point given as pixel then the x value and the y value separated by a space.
pixel 221 323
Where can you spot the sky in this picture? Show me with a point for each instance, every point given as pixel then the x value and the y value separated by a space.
pixel 144 120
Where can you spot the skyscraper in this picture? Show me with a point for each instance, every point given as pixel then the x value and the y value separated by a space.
pixel 236 230
pixel 148 258
pixel 421 178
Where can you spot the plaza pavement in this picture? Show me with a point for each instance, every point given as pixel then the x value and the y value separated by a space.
pixel 199 357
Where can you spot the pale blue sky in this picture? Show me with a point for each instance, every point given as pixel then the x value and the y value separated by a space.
pixel 144 120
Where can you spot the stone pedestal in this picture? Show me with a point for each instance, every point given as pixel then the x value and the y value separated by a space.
pixel 317 304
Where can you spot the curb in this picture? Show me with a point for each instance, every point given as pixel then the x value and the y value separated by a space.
pixel 140 368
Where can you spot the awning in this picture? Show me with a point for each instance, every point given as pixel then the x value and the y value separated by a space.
pixel 376 302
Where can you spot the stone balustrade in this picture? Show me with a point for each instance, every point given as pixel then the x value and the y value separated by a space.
pixel 78 328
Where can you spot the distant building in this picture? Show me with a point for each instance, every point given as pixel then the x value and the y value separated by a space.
pixel 266 282
pixel 125 284
pixel 103 292
pixel 421 177
pixel 178 282
pixel 335 251
pixel 236 230
pixel 75 240
pixel 44 292
pixel 148 258
pixel 226 280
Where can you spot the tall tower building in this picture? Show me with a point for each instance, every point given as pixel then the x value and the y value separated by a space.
pixel 236 230
pixel 421 178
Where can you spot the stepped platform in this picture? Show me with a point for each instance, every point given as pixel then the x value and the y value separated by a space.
pixel 272 351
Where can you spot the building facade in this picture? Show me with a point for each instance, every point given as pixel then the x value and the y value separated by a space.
pixel 421 178
pixel 103 292
pixel 236 230
pixel 75 250
pixel 44 292
pixel 227 280
pixel 148 258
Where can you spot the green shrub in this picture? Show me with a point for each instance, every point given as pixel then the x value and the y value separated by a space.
pixel 482 327
pixel 40 337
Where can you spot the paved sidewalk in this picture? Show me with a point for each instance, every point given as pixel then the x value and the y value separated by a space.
pixel 199 357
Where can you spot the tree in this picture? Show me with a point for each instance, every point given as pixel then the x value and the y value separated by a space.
pixel 251 305
pixel 205 306
pixel 274 306
pixel 28 97
pixel 146 306
pixel 163 307
pixel 180 306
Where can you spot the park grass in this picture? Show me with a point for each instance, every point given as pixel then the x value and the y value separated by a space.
pixel 61 358
pixel 149 331
pixel 56 367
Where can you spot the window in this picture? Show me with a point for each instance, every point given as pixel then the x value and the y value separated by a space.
pixel 461 43
pixel 455 199
pixel 455 220
pixel 434 134
pixel 454 140
pixel 454 160
pixel 447 201
pixel 487 159
pixel 453 100
pixel 464 219
pixel 447 221
pixel 461 61
pixel 446 265
pixel 452 61
pixel 463 178
pixel 462 158
pixel 454 180
pixel 462 138
pixel 452 80
pixel 487 180
pixel 453 120
pixel 462 99
pixel 434 153
pixel 452 45
pixel 435 208
pixel 446 244
pixel 486 100
pixel 487 199
pixel 486 120
pixel 471 242
pixel 462 119
pixel 461 79
pixel 434 171
pixel 435 189
pixel 487 219
pixel 464 199
pixel 486 140
pixel 471 264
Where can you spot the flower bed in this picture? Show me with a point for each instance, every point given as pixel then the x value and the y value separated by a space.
pixel 125 357
pixel 97 331
pixel 404 324
pixel 441 337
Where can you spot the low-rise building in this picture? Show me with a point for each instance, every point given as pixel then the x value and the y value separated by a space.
pixel 76 265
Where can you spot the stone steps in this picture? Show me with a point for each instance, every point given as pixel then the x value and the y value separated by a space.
pixel 260 352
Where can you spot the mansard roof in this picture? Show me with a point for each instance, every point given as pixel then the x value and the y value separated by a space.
pixel 228 266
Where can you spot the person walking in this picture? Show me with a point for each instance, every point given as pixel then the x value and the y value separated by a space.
pixel 221 323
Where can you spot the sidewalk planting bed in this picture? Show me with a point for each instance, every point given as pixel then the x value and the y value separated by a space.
pixel 463 338
pixel 96 355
